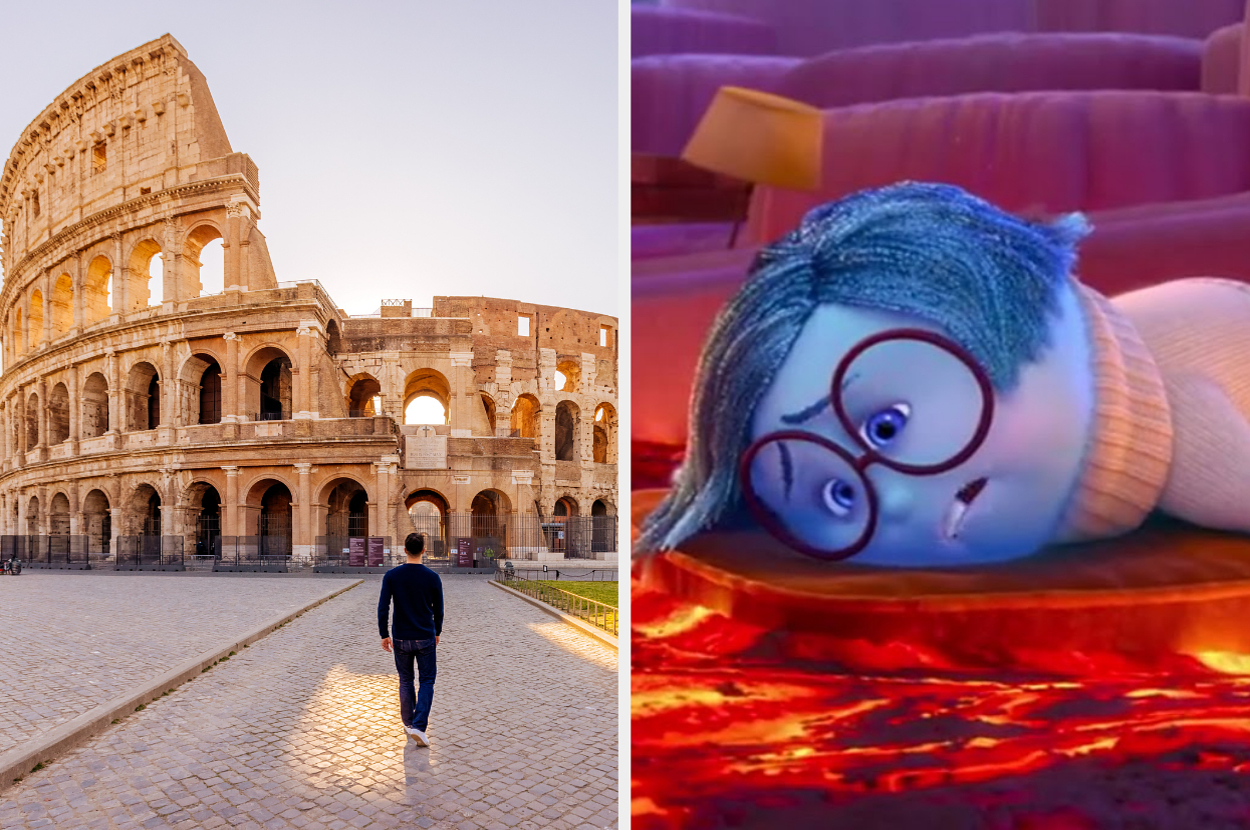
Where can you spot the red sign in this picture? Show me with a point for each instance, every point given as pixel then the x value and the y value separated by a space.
pixel 464 553
pixel 356 552
pixel 375 551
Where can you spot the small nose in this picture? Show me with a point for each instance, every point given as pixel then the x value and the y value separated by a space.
pixel 895 495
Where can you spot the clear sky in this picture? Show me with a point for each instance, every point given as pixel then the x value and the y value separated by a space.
pixel 406 149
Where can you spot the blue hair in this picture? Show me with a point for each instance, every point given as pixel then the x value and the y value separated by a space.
pixel 990 280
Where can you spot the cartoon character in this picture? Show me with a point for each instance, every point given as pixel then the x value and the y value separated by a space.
pixel 914 377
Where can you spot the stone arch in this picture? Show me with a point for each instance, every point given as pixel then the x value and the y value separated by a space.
pixel 429 511
pixel 571 370
pixel 346 502
pixel 143 397
pixel 62 306
pixel 269 514
pixel 97 521
pixel 427 383
pixel 488 403
pixel 204 232
pixel 566 506
pixel 489 510
pixel 32 421
pixel 33 524
pixel 201 502
pixel 97 291
pixel 58 414
pixel 270 383
pixel 143 512
pixel 605 425
pixel 200 389
pixel 145 289
pixel 34 316
pixel 567 427
pixel 334 343
pixel 603 507
pixel 525 416
pixel 95 406
pixel 58 515
pixel 362 390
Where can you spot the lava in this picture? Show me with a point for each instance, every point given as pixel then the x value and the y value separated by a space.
pixel 731 730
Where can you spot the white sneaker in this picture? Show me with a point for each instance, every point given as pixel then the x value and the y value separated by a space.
pixel 418 736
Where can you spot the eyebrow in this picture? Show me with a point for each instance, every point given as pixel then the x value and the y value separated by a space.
pixel 809 412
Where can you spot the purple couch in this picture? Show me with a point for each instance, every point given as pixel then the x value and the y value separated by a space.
pixel 1221 60
pixel 660 31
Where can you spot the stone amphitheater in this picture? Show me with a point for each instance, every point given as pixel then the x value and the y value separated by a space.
pixel 137 405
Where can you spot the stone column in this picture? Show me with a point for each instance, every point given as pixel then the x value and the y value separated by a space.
pixel 115 529
pixel 75 512
pixel 80 279
pixel 461 391
pixel 303 405
pixel 168 390
pixel 171 277
pixel 305 538
pixel 42 386
pixel 380 516
pixel 115 395
pixel 230 507
pixel 503 402
pixel 121 281
pixel 47 309
pixel 230 386
pixel 235 245
pixel 75 410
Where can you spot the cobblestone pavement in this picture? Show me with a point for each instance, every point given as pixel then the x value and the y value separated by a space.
pixel 302 730
pixel 83 639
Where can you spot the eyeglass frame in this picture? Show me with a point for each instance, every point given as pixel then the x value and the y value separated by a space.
pixel 869 455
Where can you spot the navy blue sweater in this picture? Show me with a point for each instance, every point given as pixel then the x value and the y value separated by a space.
pixel 418 595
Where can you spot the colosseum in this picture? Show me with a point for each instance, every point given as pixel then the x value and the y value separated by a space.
pixel 147 421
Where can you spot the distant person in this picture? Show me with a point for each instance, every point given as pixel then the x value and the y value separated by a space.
pixel 418 595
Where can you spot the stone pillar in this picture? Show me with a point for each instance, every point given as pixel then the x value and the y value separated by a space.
pixel 230 386
pixel 121 281
pixel 75 410
pixel 380 515
pixel 42 386
pixel 230 507
pixel 169 394
pixel 462 500
pixel 171 277
pixel 115 395
pixel 461 392
pixel 75 512
pixel 47 309
pixel 235 245
pixel 303 403
pixel 503 401
pixel 305 537
pixel 80 279
pixel 115 529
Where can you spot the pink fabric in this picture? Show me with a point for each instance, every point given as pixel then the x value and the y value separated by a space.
pixel 1037 151
pixel 996 63
pixel 675 300
pixel 670 93
pixel 1221 60
pixel 1186 18
pixel 660 31
pixel 813 27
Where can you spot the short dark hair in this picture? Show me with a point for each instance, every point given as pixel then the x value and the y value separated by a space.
pixel 414 544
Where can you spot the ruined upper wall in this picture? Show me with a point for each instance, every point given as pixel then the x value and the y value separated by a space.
pixel 140 123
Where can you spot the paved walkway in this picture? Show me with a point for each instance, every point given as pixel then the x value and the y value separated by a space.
pixel 302 730
pixel 76 641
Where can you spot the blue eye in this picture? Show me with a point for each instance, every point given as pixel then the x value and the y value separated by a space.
pixel 883 427
pixel 839 496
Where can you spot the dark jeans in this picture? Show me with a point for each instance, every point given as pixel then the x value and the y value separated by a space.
pixel 415 709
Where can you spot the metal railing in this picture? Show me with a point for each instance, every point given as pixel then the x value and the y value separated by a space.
pixel 150 553
pixel 486 539
pixel 252 552
pixel 598 614
pixel 356 552
pixel 54 551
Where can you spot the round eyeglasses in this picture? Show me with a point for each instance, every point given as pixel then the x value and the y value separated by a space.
pixel 813 494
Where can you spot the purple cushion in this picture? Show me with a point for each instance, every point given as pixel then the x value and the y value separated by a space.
pixel 663 31
pixel 1186 18
pixel 1221 60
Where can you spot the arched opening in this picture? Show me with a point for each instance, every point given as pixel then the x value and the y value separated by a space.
pixel 565 507
pixel 489 404
pixel 36 318
pixel 98 522
pixel 269 384
pixel 62 305
pixel 489 510
pixel 33 523
pixel 566 431
pixel 58 516
pixel 605 434
pixel 364 397
pixel 95 406
pixel 429 511
pixel 147 275
pixel 334 343
pixel 568 376
pixel 203 263
pixel 603 526
pixel 347 511
pixel 58 415
pixel 427 398
pixel 143 398
pixel 524 419
pixel 205 504
pixel 201 389
pixel 32 422
pixel 97 291
pixel 274 526
pixel 144 514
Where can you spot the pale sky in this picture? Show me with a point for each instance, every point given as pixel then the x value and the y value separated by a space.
pixel 406 149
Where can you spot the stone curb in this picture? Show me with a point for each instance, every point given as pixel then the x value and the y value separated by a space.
pixel 585 628
pixel 17 762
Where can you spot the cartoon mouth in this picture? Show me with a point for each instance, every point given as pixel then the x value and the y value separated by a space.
pixel 959 507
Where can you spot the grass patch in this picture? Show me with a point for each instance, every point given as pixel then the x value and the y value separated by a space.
pixel 117 720
pixel 141 707
pixel 38 766
pixel 604 592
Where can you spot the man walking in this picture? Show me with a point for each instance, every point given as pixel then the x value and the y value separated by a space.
pixel 418 595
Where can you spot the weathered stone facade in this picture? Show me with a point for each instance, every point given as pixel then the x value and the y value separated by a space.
pixel 124 413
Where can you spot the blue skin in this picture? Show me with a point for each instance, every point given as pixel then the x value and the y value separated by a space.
pixel 1031 457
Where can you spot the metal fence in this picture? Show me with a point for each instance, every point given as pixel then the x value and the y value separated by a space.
pixel 150 553
pixel 355 552
pixel 55 551
pixel 463 537
pixel 596 613
pixel 252 553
